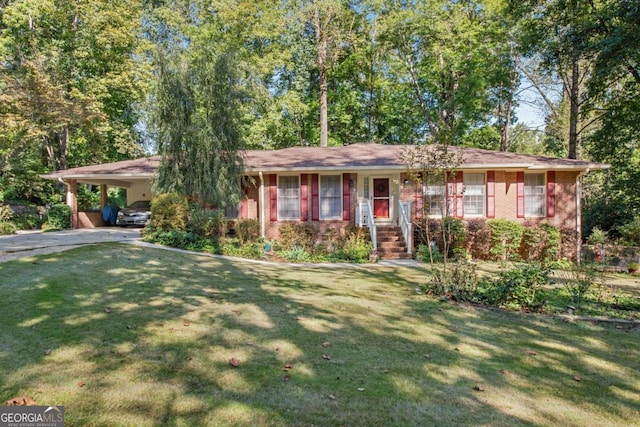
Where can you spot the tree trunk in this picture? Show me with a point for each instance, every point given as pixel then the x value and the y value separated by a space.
pixel 324 120
pixel 322 46
pixel 504 135
pixel 63 139
pixel 574 111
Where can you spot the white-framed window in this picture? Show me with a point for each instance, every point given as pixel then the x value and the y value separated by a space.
pixel 330 197
pixel 534 195
pixel 232 211
pixel 474 194
pixel 288 197
pixel 365 187
pixel 435 199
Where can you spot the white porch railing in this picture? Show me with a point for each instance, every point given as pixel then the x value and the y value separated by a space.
pixel 404 220
pixel 364 218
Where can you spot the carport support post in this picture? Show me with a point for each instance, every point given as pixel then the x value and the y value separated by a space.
pixel 72 201
pixel 103 196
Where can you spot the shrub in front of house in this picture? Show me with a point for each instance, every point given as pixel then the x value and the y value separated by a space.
pixel 459 281
pixel 249 250
pixel 169 211
pixel 207 223
pixel 519 287
pixel 551 250
pixel 539 242
pixel 505 239
pixel 478 241
pixel 180 239
pixel 298 235
pixel 248 231
pixel 356 248
pixel 532 242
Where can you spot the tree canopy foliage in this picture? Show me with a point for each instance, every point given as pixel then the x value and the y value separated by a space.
pixel 92 81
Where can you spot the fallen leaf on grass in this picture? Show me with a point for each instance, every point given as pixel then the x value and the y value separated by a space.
pixel 360 389
pixel 48 352
pixel 107 310
pixel 236 312
pixel 504 371
pixel 277 348
pixel 80 384
pixel 21 401
pixel 326 357
pixel 326 344
pixel 288 367
pixel 577 378
pixel 332 397
pixel 478 387
pixel 234 362
pixel 427 356
pixel 186 323
pixel 532 352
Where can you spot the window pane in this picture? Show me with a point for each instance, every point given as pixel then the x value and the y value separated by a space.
pixel 434 200
pixel 534 194
pixel 474 194
pixel 232 212
pixel 330 196
pixel 288 197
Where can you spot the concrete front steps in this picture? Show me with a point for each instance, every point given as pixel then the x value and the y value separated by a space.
pixel 391 243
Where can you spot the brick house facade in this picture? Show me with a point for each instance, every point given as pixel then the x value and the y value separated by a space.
pixel 370 185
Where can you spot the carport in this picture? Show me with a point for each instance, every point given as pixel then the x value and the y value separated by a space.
pixel 134 175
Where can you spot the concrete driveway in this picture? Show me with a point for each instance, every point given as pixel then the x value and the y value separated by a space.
pixel 29 243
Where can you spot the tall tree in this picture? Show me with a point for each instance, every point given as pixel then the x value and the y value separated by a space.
pixel 333 23
pixel 445 50
pixel 68 80
pixel 198 108
pixel 549 29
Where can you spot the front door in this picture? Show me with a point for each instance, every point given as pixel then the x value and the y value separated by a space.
pixel 381 197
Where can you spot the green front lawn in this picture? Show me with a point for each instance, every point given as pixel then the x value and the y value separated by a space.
pixel 125 335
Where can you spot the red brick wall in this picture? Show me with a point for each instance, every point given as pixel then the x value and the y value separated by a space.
pixel 273 228
pixel 505 201
pixel 506 198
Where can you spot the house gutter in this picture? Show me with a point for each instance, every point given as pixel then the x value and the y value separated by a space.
pixel 263 225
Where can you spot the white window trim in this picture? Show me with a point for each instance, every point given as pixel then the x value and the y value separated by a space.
pixel 484 202
pixel 425 192
pixel 544 196
pixel 297 217
pixel 329 218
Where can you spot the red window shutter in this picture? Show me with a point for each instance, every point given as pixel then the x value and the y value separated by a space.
pixel 455 196
pixel 273 197
pixel 244 208
pixel 520 194
pixel 419 196
pixel 451 194
pixel 304 197
pixel 491 194
pixel 551 194
pixel 346 196
pixel 315 199
pixel 459 195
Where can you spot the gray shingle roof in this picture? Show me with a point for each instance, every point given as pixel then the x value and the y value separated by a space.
pixel 356 157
